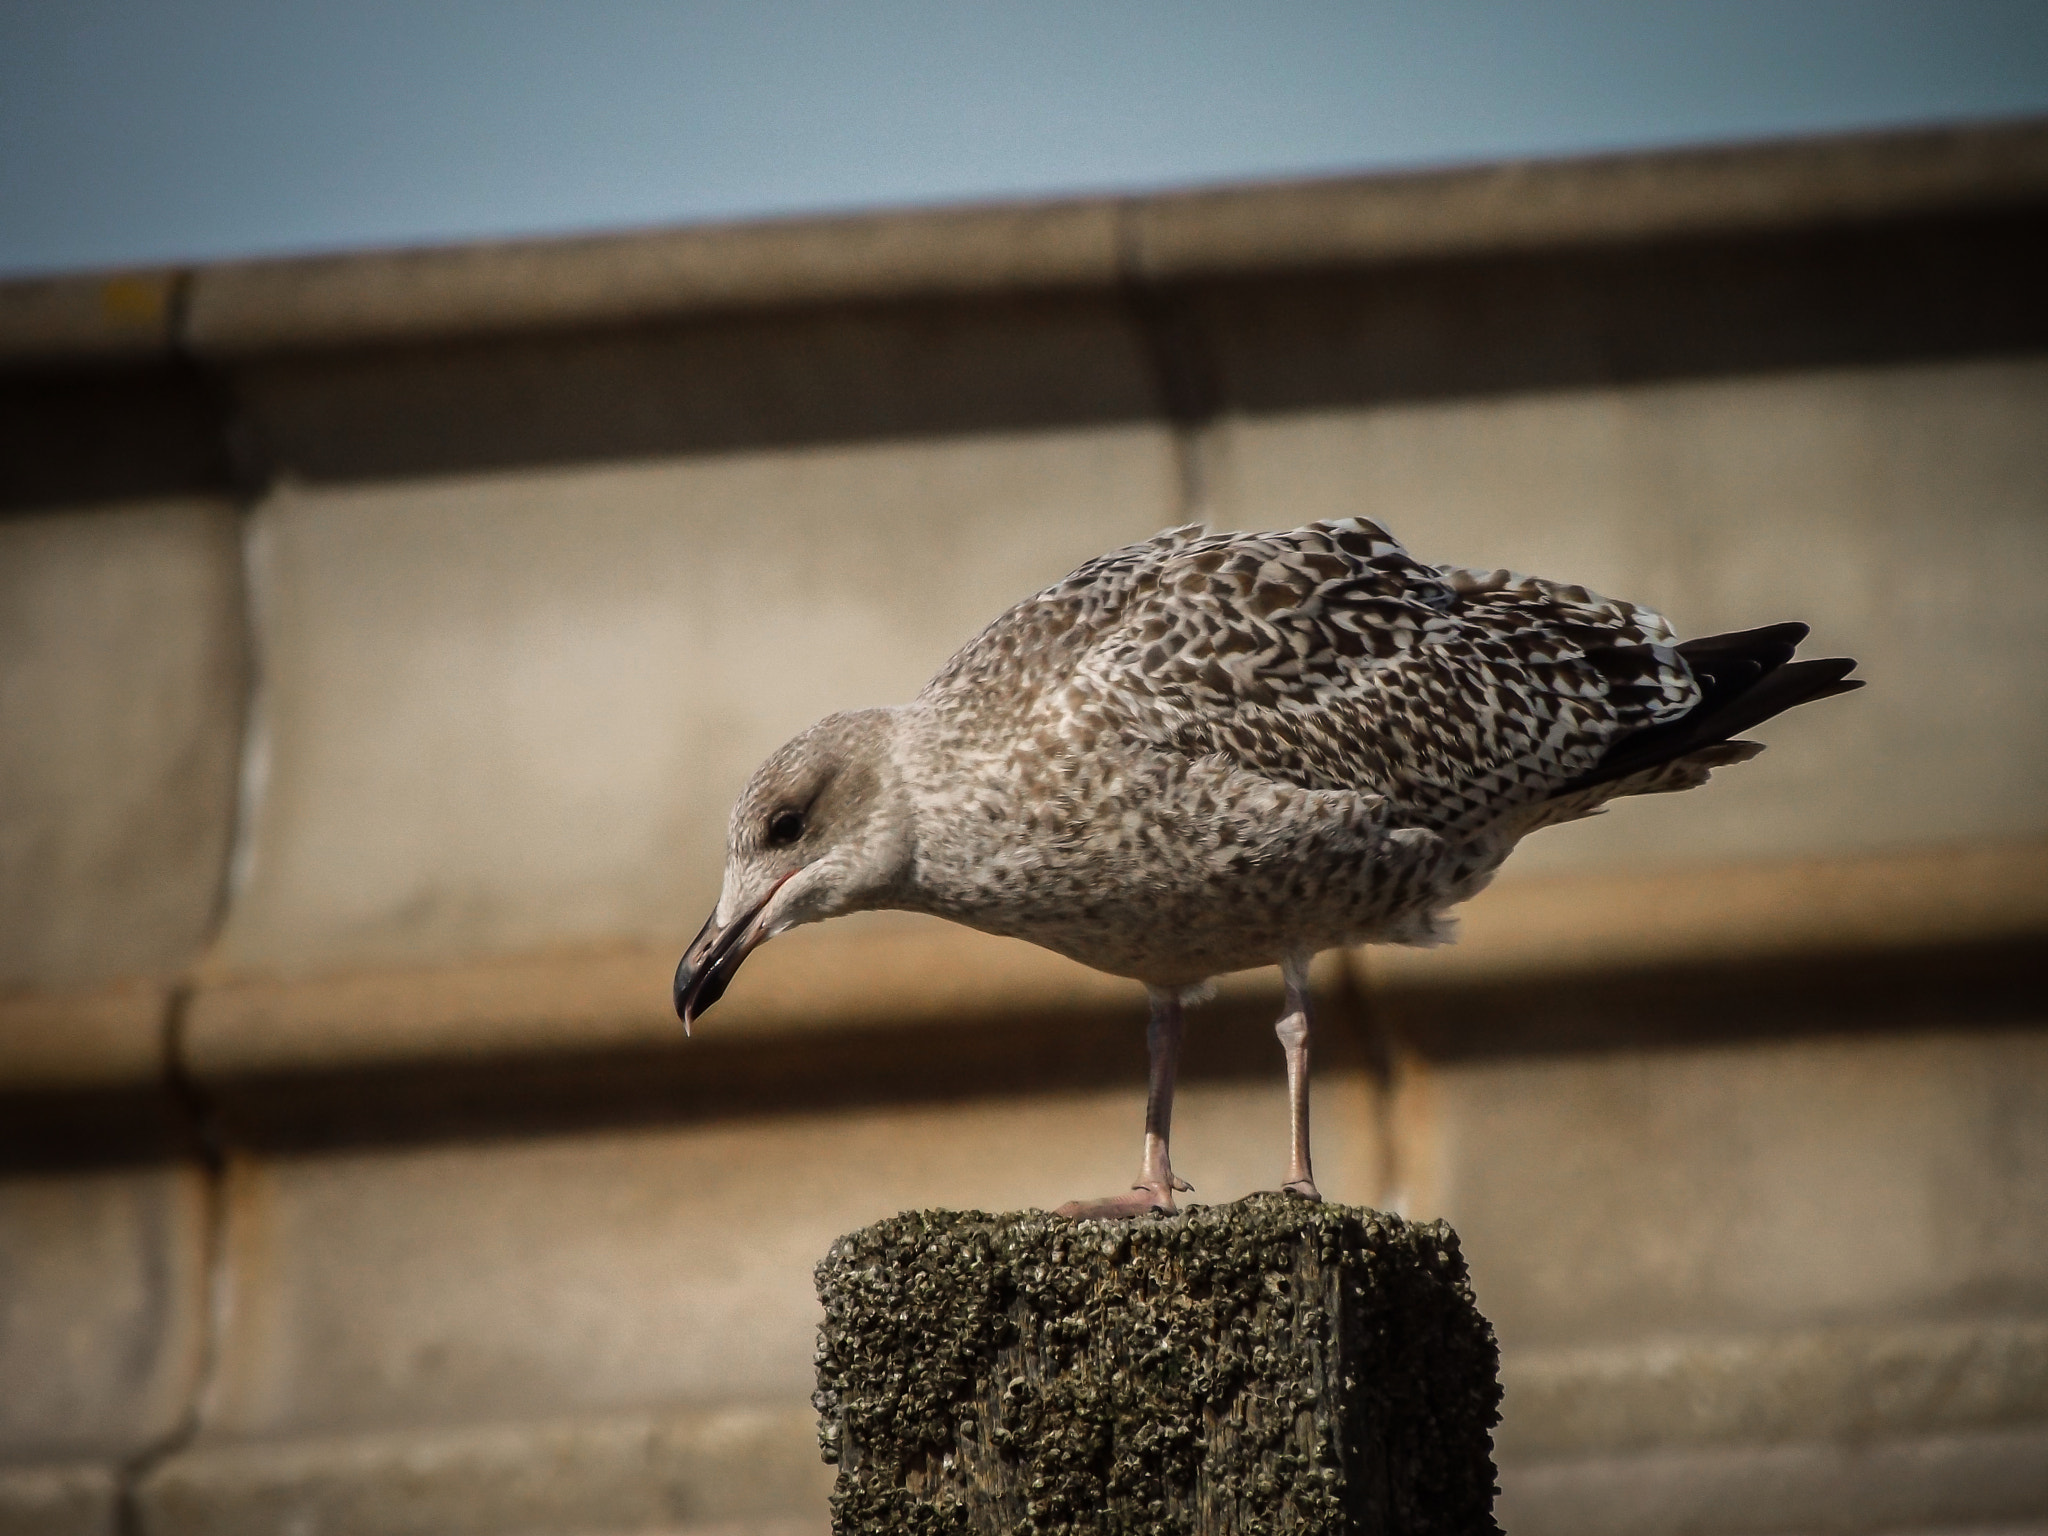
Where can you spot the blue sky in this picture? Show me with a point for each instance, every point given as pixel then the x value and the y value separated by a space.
pixel 144 132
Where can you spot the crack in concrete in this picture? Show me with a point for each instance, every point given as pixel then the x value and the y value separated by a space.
pixel 250 475
pixel 206 1147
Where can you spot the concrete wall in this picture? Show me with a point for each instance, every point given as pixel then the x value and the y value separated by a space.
pixel 383 638
pixel 121 668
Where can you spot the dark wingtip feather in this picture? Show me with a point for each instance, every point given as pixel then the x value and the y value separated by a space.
pixel 1782 688
pixel 1747 641
pixel 1745 678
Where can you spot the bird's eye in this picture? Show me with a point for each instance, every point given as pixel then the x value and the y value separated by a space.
pixel 785 827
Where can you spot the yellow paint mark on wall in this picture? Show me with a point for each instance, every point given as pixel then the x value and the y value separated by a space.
pixel 135 299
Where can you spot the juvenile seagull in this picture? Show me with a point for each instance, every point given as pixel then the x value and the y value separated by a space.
pixel 1208 752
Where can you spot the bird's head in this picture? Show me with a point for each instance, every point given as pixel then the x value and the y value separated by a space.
pixel 821 829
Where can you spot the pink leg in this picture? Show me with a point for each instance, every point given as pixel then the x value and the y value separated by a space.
pixel 1156 1184
pixel 1293 1032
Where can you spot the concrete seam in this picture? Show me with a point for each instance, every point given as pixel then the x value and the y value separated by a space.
pixel 1183 372
pixel 208 1149
pixel 251 479
pixel 178 312
pixel 252 771
pixel 245 457
pixel 1376 1039
pixel 207 1146
pixel 1191 398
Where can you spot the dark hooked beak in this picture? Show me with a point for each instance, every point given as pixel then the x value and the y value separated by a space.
pixel 713 958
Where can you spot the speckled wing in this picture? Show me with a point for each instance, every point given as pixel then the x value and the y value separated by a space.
pixel 1328 657
pixel 1027 656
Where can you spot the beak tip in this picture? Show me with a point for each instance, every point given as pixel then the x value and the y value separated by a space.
pixel 708 964
pixel 685 976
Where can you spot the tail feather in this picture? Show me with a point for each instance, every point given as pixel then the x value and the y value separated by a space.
pixel 1745 678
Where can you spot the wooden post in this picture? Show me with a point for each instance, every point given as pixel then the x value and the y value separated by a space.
pixel 1273 1366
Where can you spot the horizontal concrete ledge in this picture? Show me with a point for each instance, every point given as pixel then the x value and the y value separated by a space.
pixel 95 1038
pixel 59 1499
pixel 863 972
pixel 252 307
pixel 102 317
pixel 1921 898
pixel 243 308
pixel 714 1473
pixel 1843 1384
pixel 1948 1418
pixel 1533 205
pixel 1992 1484
pixel 891 971
pixel 1954 1411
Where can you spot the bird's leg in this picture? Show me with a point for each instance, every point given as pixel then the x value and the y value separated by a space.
pixel 1156 1184
pixel 1293 1032
pixel 1162 1046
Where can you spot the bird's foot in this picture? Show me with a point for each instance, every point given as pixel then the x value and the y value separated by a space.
pixel 1141 1200
pixel 1304 1188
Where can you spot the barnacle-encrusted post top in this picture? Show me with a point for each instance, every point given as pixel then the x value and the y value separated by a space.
pixel 1272 1365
